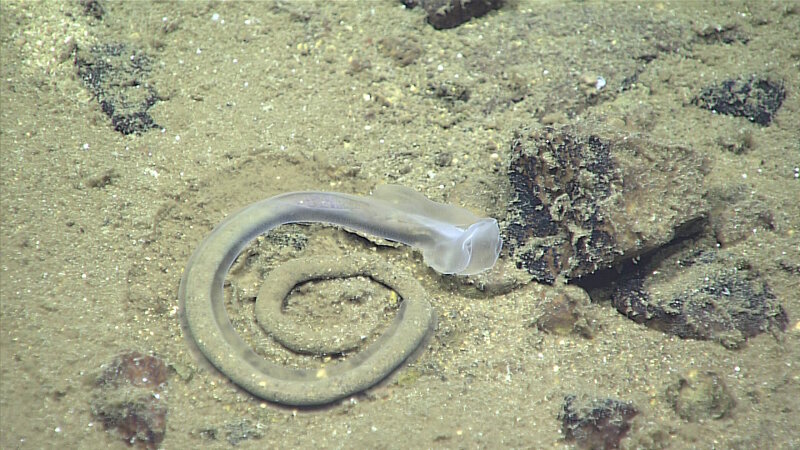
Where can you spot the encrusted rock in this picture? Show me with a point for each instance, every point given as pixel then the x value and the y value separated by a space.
pixel 584 201
pixel 757 99
pixel 695 292
pixel 117 74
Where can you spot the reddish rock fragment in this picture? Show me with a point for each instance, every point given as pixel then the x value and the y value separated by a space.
pixel 130 398
pixel 598 424
pixel 565 311
pixel 444 14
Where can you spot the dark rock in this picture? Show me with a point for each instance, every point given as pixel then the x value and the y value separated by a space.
pixel 130 398
pixel 700 293
pixel 596 424
pixel 448 91
pixel 755 98
pixel 444 14
pixel 699 396
pixel 443 159
pixel 116 74
pixel 728 34
pixel 93 8
pixel 582 202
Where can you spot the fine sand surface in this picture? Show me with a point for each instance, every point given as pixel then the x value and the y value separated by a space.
pixel 233 102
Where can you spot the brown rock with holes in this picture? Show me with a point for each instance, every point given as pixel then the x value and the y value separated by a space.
pixel 130 398
pixel 587 200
